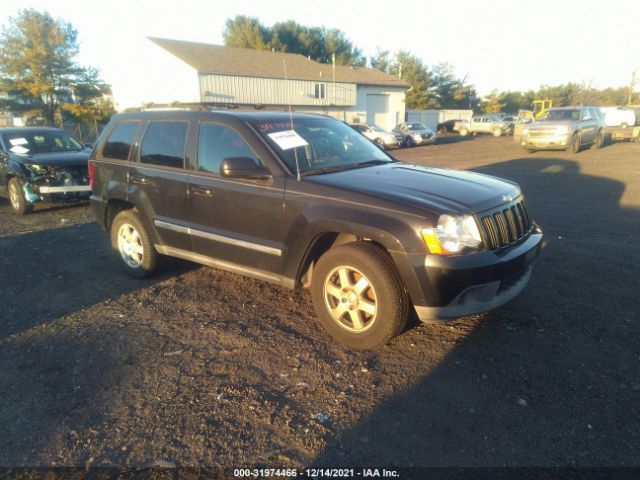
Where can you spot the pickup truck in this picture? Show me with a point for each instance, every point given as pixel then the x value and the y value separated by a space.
pixel 485 124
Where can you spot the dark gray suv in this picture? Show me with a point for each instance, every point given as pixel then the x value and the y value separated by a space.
pixel 306 201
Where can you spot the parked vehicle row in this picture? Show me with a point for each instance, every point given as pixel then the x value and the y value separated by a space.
pixel 403 134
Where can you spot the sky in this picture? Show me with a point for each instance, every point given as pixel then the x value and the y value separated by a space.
pixel 506 45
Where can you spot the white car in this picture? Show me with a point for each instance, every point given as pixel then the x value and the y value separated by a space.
pixel 378 135
pixel 618 116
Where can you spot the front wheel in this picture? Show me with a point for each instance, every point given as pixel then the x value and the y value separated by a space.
pixel 17 199
pixel 409 142
pixel 464 132
pixel 359 296
pixel 575 143
pixel 497 132
pixel 132 245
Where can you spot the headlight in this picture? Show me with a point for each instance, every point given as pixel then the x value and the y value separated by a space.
pixel 562 129
pixel 453 234
pixel 36 168
pixel 417 136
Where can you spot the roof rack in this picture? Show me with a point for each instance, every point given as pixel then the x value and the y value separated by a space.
pixel 201 106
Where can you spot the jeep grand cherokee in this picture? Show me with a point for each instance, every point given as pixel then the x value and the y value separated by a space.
pixel 306 201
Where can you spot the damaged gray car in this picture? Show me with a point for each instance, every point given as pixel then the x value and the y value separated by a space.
pixel 42 165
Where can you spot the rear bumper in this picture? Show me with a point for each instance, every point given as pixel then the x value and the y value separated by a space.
pixel 468 284
pixel 99 209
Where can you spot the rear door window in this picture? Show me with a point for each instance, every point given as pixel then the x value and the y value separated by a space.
pixel 119 143
pixel 163 144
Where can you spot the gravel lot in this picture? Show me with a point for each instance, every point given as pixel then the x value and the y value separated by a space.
pixel 200 367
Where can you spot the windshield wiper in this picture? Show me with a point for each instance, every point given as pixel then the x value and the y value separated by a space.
pixel 340 168
pixel 372 162
pixel 327 170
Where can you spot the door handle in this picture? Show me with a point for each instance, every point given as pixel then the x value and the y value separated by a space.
pixel 138 179
pixel 205 191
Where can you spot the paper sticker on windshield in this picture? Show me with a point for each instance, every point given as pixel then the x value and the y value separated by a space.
pixel 18 141
pixel 19 149
pixel 288 139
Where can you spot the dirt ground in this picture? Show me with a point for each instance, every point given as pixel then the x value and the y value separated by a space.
pixel 199 367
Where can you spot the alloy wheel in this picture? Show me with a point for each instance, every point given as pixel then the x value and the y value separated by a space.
pixel 14 196
pixel 130 245
pixel 350 299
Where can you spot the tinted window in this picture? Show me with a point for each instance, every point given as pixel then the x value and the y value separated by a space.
pixel 120 141
pixel 163 144
pixel 217 142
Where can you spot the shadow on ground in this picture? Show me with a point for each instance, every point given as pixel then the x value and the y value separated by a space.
pixel 551 379
pixel 40 268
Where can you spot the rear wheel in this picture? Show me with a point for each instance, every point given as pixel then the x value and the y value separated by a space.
pixel 600 140
pixel 575 143
pixel 132 245
pixel 358 295
pixel 17 199
pixel 409 142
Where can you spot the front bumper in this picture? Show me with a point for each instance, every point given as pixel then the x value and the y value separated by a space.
pixel 555 142
pixel 468 284
pixel 425 141
pixel 34 192
pixel 395 143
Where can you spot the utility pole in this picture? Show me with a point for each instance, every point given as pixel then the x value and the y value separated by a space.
pixel 632 84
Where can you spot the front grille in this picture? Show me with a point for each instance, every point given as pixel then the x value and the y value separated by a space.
pixel 542 132
pixel 506 226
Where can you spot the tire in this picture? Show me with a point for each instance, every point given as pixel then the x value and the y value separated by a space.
pixel 497 132
pixel 601 140
pixel 380 310
pixel 576 144
pixel 409 142
pixel 19 204
pixel 132 245
pixel 464 132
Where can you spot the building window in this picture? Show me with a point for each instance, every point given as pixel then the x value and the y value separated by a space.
pixel 320 92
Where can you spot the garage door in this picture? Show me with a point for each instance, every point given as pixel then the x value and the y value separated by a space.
pixel 378 110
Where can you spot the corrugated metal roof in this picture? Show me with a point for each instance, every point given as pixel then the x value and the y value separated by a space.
pixel 208 58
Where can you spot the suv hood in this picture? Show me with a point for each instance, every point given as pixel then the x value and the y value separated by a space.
pixel 552 123
pixel 55 159
pixel 435 189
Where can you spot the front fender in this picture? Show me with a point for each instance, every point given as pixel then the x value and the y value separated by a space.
pixel 395 233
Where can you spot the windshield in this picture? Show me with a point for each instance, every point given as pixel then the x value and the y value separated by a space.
pixel 416 126
pixel 321 144
pixel 40 141
pixel 552 115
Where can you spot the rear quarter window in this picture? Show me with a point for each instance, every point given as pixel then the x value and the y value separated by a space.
pixel 118 145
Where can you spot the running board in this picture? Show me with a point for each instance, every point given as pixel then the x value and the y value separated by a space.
pixel 227 266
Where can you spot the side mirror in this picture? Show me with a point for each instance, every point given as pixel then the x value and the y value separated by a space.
pixel 243 167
